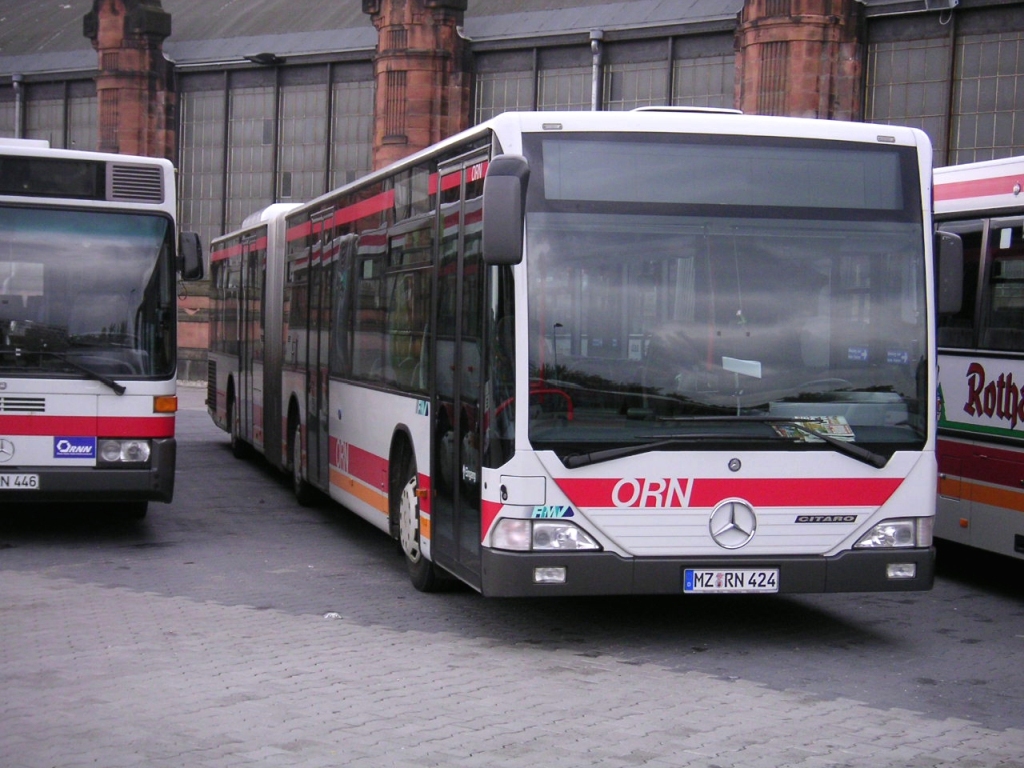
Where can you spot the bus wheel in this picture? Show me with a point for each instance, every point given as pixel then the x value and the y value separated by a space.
pixel 238 447
pixel 305 494
pixel 421 570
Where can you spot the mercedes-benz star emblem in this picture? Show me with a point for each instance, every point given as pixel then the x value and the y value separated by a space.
pixel 6 450
pixel 733 524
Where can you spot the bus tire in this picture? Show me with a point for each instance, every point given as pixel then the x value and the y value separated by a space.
pixel 239 449
pixel 406 506
pixel 305 494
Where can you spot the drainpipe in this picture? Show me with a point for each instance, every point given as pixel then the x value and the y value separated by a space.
pixel 596 36
pixel 19 106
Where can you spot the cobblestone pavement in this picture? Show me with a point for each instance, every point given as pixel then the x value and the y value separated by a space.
pixel 234 628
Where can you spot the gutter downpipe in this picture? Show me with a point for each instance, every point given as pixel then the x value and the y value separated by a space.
pixel 596 36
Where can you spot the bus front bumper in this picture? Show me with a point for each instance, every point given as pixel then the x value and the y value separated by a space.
pixel 100 484
pixel 513 574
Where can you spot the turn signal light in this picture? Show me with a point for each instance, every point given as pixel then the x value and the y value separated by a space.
pixel 165 404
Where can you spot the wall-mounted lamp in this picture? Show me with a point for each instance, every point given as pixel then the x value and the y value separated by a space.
pixel 265 59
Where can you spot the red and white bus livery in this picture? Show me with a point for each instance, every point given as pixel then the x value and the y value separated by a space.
pixel 87 325
pixel 981 359
pixel 606 353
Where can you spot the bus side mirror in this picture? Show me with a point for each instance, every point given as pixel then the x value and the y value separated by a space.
pixel 505 209
pixel 190 256
pixel 949 278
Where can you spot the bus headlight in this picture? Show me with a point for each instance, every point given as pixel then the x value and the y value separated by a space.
pixel 896 534
pixel 562 536
pixel 541 536
pixel 124 452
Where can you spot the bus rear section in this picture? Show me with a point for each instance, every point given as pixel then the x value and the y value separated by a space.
pixel 981 359
pixel 87 326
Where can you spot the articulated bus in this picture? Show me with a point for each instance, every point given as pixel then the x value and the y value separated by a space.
pixel 981 360
pixel 88 256
pixel 658 351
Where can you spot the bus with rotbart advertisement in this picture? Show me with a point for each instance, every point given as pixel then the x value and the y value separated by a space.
pixel 981 359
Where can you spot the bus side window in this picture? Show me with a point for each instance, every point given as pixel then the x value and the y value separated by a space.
pixel 957 330
pixel 1003 322
pixel 368 338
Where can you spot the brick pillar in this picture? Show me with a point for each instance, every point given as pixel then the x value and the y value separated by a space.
pixel 134 86
pixel 422 86
pixel 800 58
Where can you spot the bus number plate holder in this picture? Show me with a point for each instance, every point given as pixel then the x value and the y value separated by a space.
pixel 730 580
pixel 19 482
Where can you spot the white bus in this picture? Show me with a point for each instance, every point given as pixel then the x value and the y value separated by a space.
pixel 981 360
pixel 720 327
pixel 88 256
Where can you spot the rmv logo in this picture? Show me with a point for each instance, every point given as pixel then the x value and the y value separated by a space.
pixel 652 492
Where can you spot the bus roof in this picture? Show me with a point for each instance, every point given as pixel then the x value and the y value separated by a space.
pixel 990 185
pixel 509 127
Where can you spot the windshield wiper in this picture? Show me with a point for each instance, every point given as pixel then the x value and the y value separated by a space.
pixel 576 460
pixel 852 450
pixel 119 389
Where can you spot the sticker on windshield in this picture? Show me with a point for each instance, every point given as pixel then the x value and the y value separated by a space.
pixel 803 428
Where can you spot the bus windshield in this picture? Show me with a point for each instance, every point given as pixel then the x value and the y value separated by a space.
pixel 728 293
pixel 86 292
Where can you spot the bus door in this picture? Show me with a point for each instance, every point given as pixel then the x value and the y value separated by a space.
pixel 320 262
pixel 249 337
pixel 455 508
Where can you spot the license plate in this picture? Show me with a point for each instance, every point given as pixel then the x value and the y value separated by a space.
pixel 13 482
pixel 731 580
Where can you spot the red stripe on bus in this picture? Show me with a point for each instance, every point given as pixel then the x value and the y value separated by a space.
pixel 88 426
pixel 367 467
pixel 703 492
pixel 382 202
pixel 226 253
pixel 987 464
pixel 230 251
pixel 957 190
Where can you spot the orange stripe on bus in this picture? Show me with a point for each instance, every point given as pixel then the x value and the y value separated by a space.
pixel 351 486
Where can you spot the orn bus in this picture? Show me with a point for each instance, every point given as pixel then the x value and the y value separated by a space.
pixel 981 360
pixel 88 256
pixel 658 351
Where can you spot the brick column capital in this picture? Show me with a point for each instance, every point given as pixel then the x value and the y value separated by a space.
pixel 422 87
pixel 134 86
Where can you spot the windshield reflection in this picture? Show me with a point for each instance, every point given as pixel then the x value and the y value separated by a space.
pixel 90 290
pixel 638 322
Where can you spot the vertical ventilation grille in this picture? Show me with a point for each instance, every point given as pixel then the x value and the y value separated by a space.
pixel 137 183
pixel 15 404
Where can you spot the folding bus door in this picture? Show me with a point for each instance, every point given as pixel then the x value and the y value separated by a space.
pixel 455 517
pixel 249 336
pixel 320 261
